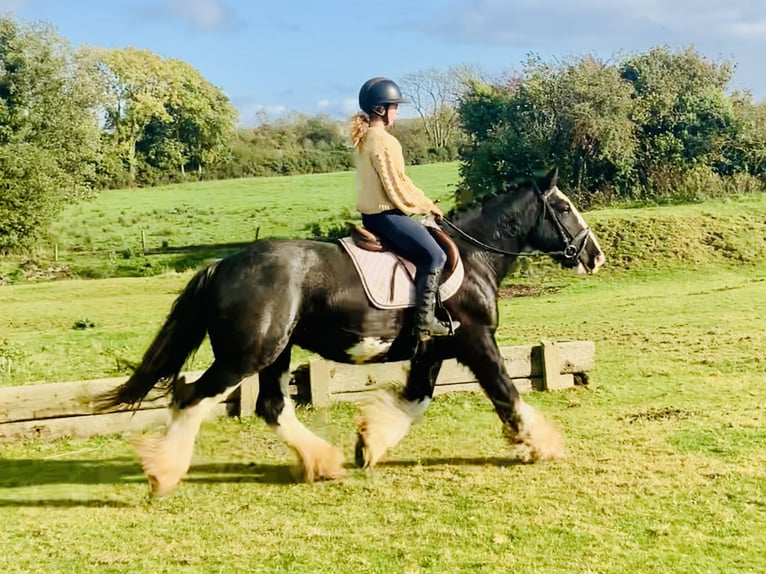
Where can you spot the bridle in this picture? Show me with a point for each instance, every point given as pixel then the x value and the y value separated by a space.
pixel 573 246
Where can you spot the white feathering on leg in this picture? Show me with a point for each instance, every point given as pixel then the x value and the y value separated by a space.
pixel 384 421
pixel 319 459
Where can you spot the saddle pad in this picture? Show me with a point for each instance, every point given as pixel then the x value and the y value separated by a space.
pixel 389 279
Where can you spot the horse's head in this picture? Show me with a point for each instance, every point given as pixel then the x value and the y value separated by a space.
pixel 561 230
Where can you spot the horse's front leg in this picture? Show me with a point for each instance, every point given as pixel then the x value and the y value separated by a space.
pixel 387 417
pixel 530 434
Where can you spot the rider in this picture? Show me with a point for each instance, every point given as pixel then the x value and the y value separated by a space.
pixel 386 198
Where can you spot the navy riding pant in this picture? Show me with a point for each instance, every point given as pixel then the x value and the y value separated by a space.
pixel 408 238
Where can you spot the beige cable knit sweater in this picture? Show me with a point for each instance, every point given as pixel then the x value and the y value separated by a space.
pixel 381 183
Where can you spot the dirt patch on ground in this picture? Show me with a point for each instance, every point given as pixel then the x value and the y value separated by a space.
pixel 526 290
pixel 659 414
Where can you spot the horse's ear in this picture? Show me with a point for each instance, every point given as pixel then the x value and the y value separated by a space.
pixel 551 179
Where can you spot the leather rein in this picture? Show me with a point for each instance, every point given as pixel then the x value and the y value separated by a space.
pixel 573 245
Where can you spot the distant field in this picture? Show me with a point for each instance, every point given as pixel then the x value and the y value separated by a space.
pixel 86 329
pixel 103 237
pixel 666 458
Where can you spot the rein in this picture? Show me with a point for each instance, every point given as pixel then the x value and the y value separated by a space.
pixel 572 250
pixel 471 239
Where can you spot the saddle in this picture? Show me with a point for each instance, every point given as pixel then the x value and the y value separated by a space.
pixel 388 279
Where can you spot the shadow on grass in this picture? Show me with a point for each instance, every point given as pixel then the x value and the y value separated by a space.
pixel 36 472
pixel 63 503
pixel 455 461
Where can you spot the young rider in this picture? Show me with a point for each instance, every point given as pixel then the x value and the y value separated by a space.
pixel 386 198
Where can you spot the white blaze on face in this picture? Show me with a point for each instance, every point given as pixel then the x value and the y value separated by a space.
pixel 368 348
pixel 599 259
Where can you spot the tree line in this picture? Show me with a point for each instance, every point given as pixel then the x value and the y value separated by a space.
pixel 655 126
pixel 651 126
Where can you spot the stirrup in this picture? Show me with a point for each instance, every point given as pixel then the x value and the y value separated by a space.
pixel 425 334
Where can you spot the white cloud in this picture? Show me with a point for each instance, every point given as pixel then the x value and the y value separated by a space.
pixel 205 15
pixel 746 30
pixel 253 114
pixel 350 105
pixel 202 14
pixel 11 5
pixel 342 108
pixel 531 24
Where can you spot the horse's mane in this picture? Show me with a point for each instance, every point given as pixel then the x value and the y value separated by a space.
pixel 505 186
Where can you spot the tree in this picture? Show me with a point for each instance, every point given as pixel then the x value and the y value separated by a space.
pixel 746 152
pixel 49 135
pixel 435 95
pixel 162 111
pixel 657 125
pixel 683 114
pixel 136 86
pixel 574 115
pixel 200 124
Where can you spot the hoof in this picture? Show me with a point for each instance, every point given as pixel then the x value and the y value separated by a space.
pixel 536 439
pixel 162 471
pixel 370 447
pixel 360 454
pixel 365 457
pixel 322 462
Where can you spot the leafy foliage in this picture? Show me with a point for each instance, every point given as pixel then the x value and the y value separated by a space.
pixel 161 114
pixel 658 125
pixel 289 146
pixel 48 134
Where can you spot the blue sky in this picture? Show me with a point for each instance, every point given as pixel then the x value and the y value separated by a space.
pixel 274 56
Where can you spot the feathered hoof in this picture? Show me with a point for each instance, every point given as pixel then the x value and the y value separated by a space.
pixel 382 422
pixel 322 461
pixel 370 448
pixel 536 440
pixel 161 468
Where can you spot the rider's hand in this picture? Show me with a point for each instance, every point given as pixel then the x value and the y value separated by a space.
pixel 437 213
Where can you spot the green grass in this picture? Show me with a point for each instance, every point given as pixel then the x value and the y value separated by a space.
pixel 665 447
pixel 664 470
pixel 103 237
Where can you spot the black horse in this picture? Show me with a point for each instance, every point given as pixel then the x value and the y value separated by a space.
pixel 257 303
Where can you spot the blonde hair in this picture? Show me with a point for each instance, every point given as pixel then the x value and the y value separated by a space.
pixel 360 123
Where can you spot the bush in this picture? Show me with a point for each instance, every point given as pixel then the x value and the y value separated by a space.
pixel 657 127
pixel 31 194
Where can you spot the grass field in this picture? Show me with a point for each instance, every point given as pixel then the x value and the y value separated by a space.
pixel 665 448
pixel 664 471
pixel 103 237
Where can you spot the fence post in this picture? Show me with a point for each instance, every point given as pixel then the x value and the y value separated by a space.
pixel 143 242
pixel 551 359
pixel 319 382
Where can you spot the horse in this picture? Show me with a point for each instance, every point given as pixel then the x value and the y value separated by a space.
pixel 258 303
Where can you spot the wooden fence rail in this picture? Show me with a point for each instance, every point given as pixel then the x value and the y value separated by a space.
pixel 53 410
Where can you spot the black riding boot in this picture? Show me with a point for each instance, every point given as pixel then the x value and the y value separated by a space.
pixel 426 324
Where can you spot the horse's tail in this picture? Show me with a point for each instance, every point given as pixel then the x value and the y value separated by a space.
pixel 182 334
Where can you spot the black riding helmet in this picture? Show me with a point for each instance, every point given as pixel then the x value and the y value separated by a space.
pixel 377 93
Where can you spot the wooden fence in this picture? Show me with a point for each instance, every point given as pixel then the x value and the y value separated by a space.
pixel 53 410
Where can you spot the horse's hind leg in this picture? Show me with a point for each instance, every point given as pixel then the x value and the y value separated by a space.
pixel 319 459
pixel 386 418
pixel 165 459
